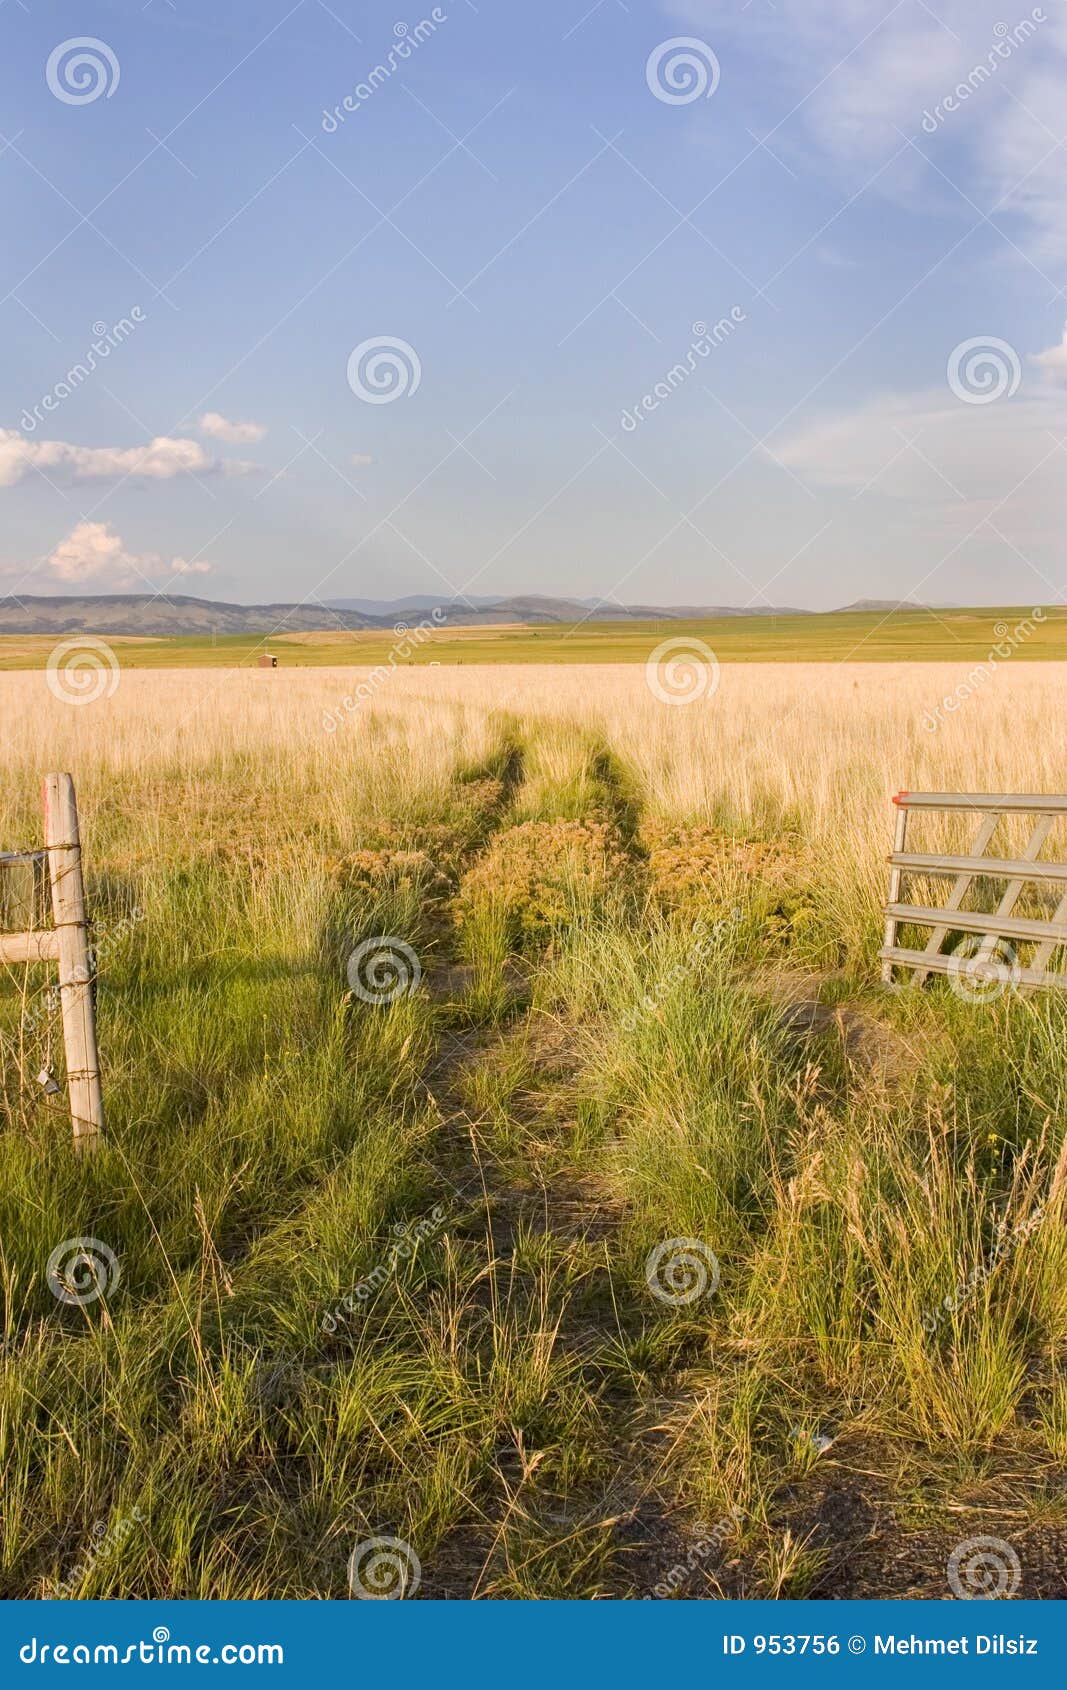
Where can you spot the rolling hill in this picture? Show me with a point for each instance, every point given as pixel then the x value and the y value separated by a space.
pixel 162 615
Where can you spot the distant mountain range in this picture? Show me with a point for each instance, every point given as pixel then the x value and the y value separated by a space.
pixel 158 616
pixel 534 607
pixel 141 613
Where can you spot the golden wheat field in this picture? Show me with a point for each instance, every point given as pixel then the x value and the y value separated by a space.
pixel 511 1148
pixel 771 733
pixel 821 747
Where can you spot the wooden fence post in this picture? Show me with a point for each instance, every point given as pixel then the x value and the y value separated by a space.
pixel 75 965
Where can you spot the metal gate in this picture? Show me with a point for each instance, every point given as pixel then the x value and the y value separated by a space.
pixel 990 934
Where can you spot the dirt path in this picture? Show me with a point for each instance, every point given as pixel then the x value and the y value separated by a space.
pixel 587 1514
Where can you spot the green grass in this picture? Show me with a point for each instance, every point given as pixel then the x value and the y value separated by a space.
pixel 963 636
pixel 574 1085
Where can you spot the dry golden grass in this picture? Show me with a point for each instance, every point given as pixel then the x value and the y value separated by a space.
pixel 791 732
pixel 817 747
pixel 551 841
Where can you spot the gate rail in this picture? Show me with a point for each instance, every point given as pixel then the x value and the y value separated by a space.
pixel 993 926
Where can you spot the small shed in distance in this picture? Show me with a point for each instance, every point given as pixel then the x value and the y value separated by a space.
pixel 266 661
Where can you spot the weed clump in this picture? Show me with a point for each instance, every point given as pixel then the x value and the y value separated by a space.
pixel 368 874
pixel 702 872
pixel 539 876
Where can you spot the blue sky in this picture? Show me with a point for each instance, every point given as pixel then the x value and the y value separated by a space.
pixel 853 191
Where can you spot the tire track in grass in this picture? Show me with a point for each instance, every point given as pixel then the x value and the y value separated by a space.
pixel 574 1496
pixel 225 1320
pixel 574 1507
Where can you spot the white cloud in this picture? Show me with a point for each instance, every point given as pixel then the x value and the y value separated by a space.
pixel 92 554
pixel 835 259
pixel 951 469
pixel 361 460
pixel 978 87
pixel 1054 361
pixel 161 460
pixel 234 433
pixel 929 446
